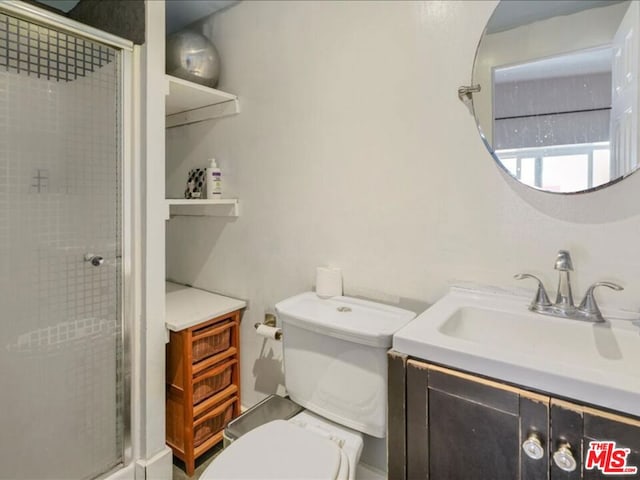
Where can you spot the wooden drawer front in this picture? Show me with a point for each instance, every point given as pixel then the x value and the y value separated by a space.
pixel 211 340
pixel 213 380
pixel 214 420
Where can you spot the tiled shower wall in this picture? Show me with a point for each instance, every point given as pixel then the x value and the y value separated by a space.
pixel 60 335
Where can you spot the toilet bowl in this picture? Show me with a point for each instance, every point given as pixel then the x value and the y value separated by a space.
pixel 335 359
pixel 303 447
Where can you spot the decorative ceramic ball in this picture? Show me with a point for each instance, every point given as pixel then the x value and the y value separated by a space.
pixel 191 56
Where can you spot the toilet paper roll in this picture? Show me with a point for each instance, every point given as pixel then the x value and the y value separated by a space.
pixel 328 282
pixel 268 332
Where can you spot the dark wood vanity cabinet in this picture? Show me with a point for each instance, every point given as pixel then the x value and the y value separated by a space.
pixel 461 427
pixel 449 425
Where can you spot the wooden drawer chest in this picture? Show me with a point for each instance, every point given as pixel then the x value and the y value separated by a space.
pixel 203 384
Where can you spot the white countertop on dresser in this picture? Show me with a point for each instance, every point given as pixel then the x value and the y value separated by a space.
pixel 188 306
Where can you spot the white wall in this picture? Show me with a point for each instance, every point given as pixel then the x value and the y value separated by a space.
pixel 352 148
pixel 153 457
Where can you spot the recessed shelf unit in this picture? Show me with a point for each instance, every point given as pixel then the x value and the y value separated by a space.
pixel 188 102
pixel 223 207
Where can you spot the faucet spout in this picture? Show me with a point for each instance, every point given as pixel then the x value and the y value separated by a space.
pixel 563 261
pixel 564 296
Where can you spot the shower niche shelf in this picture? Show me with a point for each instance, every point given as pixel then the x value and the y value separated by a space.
pixel 188 102
pixel 223 207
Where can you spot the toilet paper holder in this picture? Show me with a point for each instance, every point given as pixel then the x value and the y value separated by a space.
pixel 269 321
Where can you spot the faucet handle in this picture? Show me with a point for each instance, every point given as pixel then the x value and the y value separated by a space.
pixel 589 306
pixel 541 300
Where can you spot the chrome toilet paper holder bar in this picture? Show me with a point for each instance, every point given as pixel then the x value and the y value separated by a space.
pixel 269 321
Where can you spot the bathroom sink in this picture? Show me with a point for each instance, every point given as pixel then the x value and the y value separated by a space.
pixel 529 333
pixel 493 333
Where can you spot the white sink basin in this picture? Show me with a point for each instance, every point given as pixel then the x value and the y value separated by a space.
pixel 495 335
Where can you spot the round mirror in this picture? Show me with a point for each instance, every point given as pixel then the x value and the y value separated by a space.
pixel 559 99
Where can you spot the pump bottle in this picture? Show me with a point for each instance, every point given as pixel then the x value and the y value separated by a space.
pixel 214 180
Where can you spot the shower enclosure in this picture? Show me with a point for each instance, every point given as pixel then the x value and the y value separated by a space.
pixel 63 250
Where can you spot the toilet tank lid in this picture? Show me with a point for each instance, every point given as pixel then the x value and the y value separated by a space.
pixel 347 318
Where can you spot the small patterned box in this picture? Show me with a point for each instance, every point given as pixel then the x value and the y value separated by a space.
pixel 195 183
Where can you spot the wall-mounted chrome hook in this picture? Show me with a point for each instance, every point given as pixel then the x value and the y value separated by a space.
pixel 465 94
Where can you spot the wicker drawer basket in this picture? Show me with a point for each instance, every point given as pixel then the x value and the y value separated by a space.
pixel 211 340
pixel 213 380
pixel 213 421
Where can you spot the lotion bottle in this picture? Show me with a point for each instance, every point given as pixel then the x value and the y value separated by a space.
pixel 214 180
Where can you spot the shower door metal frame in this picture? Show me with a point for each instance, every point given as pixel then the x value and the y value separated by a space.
pixel 128 205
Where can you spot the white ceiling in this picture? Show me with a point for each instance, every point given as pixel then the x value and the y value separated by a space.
pixel 509 13
pixel 179 13
pixel 597 60
pixel 514 13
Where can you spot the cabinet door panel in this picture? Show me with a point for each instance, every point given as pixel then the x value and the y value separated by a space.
pixel 474 391
pixel 417 423
pixel 468 440
pixel 397 416
pixel 463 427
pixel 534 420
pixel 601 427
pixel 626 432
pixel 566 428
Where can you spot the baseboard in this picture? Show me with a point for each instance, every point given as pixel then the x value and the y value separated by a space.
pixel 368 472
pixel 158 467
pixel 124 473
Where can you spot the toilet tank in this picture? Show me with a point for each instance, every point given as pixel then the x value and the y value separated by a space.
pixel 335 360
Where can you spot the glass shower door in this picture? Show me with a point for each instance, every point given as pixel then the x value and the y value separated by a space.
pixel 61 388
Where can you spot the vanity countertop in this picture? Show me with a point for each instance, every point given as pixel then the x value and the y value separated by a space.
pixel 189 306
pixel 497 336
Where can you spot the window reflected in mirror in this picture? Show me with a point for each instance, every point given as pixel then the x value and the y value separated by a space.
pixel 576 167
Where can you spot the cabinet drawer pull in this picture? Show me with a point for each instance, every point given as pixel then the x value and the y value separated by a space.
pixel 213 421
pixel 212 381
pixel 210 341
pixel 563 458
pixel 532 447
pixel 215 411
pixel 216 370
pixel 212 330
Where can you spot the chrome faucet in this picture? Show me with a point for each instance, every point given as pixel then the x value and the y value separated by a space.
pixel 564 297
pixel 564 307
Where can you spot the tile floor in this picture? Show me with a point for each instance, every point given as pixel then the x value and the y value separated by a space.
pixel 201 463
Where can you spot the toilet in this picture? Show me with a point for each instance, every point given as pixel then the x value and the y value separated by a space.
pixel 335 367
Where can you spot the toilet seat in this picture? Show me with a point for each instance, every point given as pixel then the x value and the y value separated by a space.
pixel 280 450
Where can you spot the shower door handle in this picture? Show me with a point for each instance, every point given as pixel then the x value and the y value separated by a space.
pixel 95 260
